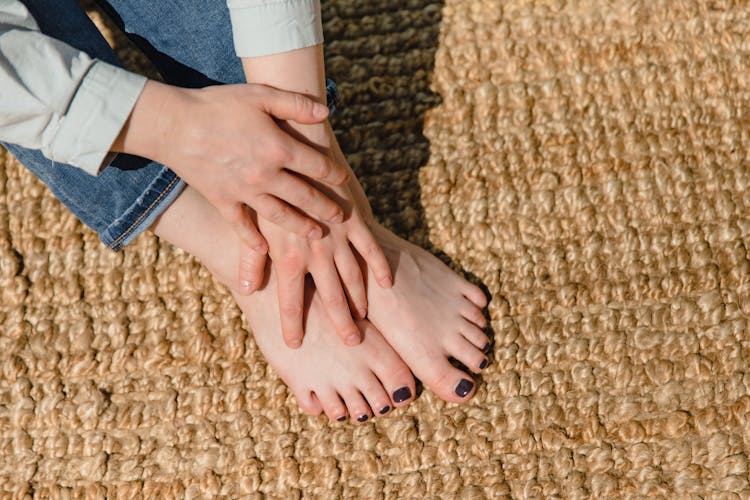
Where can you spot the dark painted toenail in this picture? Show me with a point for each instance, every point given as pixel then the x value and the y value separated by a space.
pixel 483 365
pixel 486 348
pixel 362 418
pixel 464 387
pixel 341 418
pixel 385 410
pixel 401 395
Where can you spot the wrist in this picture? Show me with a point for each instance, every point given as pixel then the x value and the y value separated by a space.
pixel 147 127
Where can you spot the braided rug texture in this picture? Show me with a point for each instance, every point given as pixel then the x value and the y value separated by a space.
pixel 586 161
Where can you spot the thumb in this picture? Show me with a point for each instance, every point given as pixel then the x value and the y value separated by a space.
pixel 294 106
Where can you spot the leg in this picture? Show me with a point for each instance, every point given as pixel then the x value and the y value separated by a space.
pixel 359 380
pixel 125 199
pixel 431 314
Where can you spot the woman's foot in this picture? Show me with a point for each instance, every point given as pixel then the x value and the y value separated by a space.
pixel 324 374
pixel 430 315
pixel 362 381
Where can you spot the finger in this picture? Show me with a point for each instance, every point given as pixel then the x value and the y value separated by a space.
pixel 283 215
pixel 240 217
pixel 291 282
pixel 307 198
pixel 328 284
pixel 308 161
pixel 293 106
pixel 351 279
pixel 252 265
pixel 365 244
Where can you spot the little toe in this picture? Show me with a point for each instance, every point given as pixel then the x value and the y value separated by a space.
pixel 449 383
pixel 475 335
pixel 375 394
pixel 474 294
pixel 357 406
pixel 474 314
pixel 332 405
pixel 467 353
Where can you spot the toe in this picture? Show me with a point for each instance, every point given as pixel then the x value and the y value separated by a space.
pixel 375 394
pixel 309 403
pixel 467 353
pixel 392 372
pixel 357 406
pixel 474 314
pixel 474 335
pixel 332 405
pixel 448 382
pixel 475 294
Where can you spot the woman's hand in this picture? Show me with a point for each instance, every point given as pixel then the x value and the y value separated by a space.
pixel 224 141
pixel 333 262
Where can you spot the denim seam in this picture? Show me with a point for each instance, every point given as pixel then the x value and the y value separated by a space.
pixel 166 190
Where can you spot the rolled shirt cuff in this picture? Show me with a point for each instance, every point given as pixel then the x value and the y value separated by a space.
pixel 97 113
pixel 268 27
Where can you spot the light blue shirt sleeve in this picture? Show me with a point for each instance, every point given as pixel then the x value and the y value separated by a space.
pixel 56 98
pixel 265 27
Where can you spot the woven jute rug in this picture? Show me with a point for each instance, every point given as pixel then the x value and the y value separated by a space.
pixel 586 161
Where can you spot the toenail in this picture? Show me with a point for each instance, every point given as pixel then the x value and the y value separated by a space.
pixel 486 348
pixel 401 395
pixel 483 364
pixel 385 410
pixel 341 418
pixel 464 387
pixel 362 418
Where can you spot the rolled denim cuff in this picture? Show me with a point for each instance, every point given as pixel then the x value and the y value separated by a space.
pixel 97 113
pixel 266 27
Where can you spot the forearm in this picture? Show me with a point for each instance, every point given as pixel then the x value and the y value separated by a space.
pixel 302 71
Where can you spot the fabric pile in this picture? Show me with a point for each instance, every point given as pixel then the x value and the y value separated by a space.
pixel 585 161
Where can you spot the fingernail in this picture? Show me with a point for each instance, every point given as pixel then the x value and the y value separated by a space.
pixel 385 410
pixel 260 248
pixel 352 339
pixel 483 364
pixel 315 233
pixel 320 110
pixel 339 217
pixel 245 285
pixel 362 418
pixel 401 395
pixel 341 418
pixel 295 344
pixel 386 282
pixel 464 387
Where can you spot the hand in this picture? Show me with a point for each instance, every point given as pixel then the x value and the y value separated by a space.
pixel 334 267
pixel 225 143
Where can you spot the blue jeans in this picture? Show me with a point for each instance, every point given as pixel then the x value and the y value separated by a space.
pixel 190 43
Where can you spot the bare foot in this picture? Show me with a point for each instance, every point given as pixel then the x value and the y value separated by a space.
pixel 324 374
pixel 430 315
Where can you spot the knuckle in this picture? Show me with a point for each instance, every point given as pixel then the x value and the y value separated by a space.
pixel 291 264
pixel 277 214
pixel 333 300
pixel 301 103
pixel 278 153
pixel 306 195
pixel 290 309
